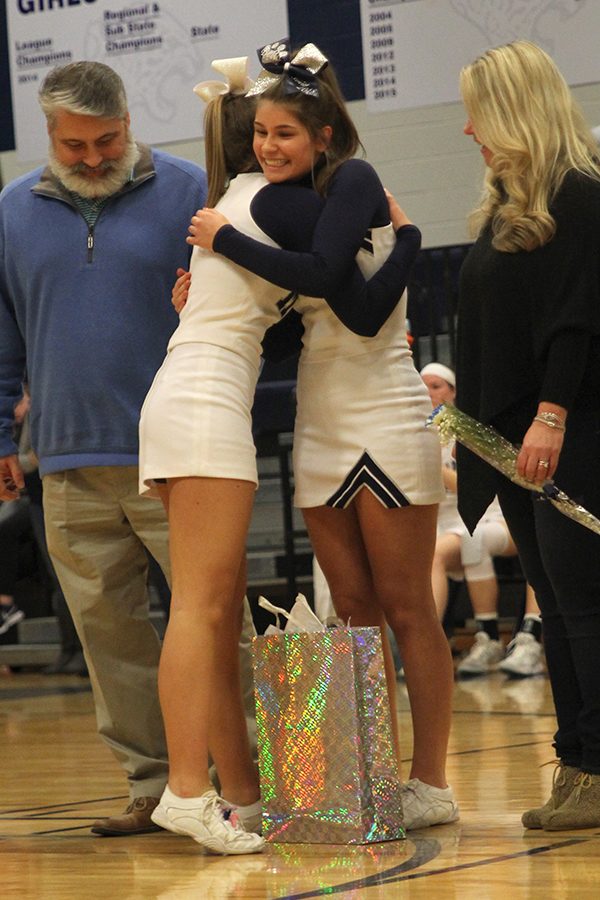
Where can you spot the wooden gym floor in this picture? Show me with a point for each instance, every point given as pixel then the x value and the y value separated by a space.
pixel 57 777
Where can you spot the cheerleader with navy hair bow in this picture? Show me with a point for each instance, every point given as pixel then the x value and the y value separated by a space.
pixel 367 472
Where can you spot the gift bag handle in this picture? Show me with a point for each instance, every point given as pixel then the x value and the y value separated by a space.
pixel 299 618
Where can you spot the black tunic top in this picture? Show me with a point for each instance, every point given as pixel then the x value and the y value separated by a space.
pixel 529 330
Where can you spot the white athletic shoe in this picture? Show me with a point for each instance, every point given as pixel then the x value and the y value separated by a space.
pixel 210 822
pixel 524 657
pixel 483 657
pixel 424 805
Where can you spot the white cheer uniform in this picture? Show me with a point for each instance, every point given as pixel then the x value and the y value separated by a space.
pixel 362 408
pixel 196 418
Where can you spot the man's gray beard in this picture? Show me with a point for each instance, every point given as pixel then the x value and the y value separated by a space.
pixel 117 173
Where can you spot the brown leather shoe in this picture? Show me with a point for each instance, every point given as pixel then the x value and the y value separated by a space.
pixel 135 820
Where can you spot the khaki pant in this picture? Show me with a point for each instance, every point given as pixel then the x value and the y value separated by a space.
pixel 97 527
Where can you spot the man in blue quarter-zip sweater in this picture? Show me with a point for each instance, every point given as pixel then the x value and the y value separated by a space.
pixel 89 249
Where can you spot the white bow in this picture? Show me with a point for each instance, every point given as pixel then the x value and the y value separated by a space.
pixel 235 71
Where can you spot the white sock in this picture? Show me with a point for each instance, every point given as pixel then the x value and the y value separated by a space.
pixel 433 787
pixel 169 798
pixel 252 809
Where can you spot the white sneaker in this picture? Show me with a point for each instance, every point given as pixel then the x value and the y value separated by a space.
pixel 210 822
pixel 424 805
pixel 524 657
pixel 483 657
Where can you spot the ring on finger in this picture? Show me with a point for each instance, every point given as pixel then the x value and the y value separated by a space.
pixel 544 463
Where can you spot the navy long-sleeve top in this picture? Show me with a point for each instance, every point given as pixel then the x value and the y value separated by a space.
pixel 355 203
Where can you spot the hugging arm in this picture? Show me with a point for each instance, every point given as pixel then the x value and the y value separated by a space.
pixel 355 202
pixel 326 235
pixel 364 306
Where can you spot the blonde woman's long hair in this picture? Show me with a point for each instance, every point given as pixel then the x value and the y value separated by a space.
pixel 228 133
pixel 523 111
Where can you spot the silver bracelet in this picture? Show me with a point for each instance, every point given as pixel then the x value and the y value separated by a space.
pixel 552 420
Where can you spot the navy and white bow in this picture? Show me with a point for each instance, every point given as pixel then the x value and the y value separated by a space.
pixel 299 74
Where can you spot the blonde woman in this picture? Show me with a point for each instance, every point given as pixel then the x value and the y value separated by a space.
pixel 529 364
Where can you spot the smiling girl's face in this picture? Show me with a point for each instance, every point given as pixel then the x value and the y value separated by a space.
pixel 284 147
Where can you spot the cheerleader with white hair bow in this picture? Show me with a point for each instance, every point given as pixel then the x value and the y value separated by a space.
pixel 197 452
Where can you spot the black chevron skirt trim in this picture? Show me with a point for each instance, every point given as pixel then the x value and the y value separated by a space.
pixel 366 473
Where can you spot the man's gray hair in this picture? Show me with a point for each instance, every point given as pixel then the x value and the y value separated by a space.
pixel 85 89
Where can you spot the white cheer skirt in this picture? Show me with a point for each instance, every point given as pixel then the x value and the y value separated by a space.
pixel 196 418
pixel 360 423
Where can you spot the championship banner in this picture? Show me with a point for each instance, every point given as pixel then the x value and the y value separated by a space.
pixel 413 50
pixel 160 50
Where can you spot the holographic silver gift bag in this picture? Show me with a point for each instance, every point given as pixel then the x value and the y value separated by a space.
pixel 328 771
